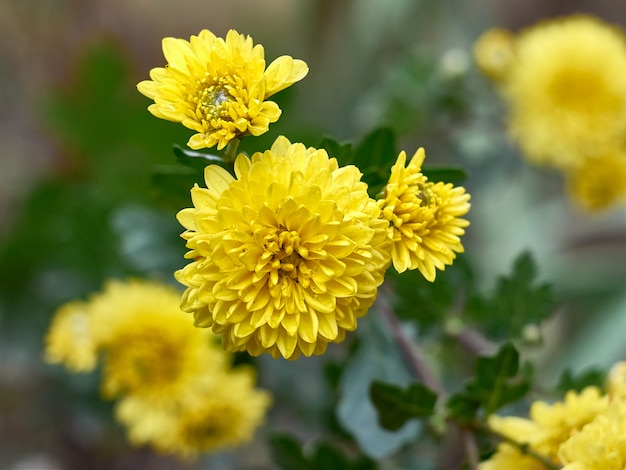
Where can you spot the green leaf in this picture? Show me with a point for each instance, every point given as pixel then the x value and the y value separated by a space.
pixel 396 405
pixel 326 456
pixel 497 381
pixel 516 302
pixel 198 161
pixel 586 378
pixel 374 156
pixel 342 151
pixel 445 174
pixel 287 453
pixel 377 358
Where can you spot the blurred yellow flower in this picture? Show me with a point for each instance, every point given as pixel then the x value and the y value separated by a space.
pixel 150 348
pixel 616 383
pixel 216 414
pixel 425 218
pixel 219 87
pixel 599 182
pixel 600 445
pixel 69 340
pixel 286 256
pixel 494 53
pixel 508 457
pixel 566 90
pixel 175 386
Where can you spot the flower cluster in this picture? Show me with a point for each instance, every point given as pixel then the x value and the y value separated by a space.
pixel 587 430
pixel 219 87
pixel 563 81
pixel 175 387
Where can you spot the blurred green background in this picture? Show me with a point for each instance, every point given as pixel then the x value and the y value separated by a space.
pixel 89 186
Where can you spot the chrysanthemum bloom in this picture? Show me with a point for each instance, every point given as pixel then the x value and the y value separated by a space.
pixel 600 445
pixel 149 347
pixel 425 218
pixel 205 418
pixel 599 182
pixel 494 53
pixel 69 340
pixel 566 90
pixel 551 425
pixel 219 88
pixel 286 256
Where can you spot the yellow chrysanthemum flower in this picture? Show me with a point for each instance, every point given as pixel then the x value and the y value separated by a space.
pixel 286 256
pixel 223 413
pixel 600 445
pixel 219 87
pixel 494 53
pixel 150 348
pixel 69 340
pixel 599 182
pixel 508 457
pixel 425 218
pixel 566 90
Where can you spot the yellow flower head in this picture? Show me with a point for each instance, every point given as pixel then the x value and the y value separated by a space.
pixel 150 347
pixel 219 87
pixel 286 256
pixel 425 218
pixel 201 419
pixel 508 457
pixel 600 445
pixel 599 182
pixel 70 338
pixel 566 90
pixel 494 53
pixel 561 420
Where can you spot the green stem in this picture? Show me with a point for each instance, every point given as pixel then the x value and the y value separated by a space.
pixel 231 151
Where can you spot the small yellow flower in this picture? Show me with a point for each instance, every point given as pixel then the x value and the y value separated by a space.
pixel 149 346
pixel 219 87
pixel 425 218
pixel 566 90
pixel 69 340
pixel 214 415
pixel 600 445
pixel 599 182
pixel 286 256
pixel 494 53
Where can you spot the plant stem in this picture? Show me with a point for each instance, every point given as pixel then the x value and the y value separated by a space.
pixel 231 151
pixel 411 352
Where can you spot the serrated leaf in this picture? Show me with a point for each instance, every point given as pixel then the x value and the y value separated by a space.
pixel 287 453
pixel 374 156
pixel 396 405
pixel 516 302
pixel 462 406
pixel 586 378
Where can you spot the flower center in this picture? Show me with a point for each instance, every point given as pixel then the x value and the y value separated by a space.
pixel 210 100
pixel 282 251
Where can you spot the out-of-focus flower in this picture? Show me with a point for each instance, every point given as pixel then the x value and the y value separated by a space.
pixel 424 217
pixel 494 53
pixel 222 412
pixel 600 445
pixel 549 426
pixel 150 348
pixel 566 92
pixel 69 340
pixel 219 87
pixel 599 182
pixel 286 256
pixel 508 457
pixel 175 386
